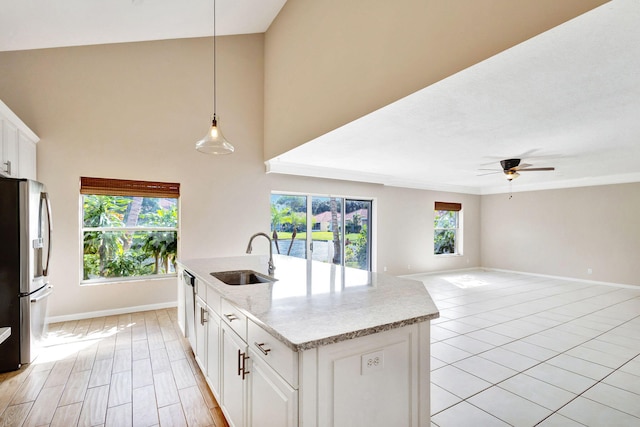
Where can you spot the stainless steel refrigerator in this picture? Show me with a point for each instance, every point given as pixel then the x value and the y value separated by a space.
pixel 25 249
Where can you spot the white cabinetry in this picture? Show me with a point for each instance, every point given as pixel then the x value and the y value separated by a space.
pixel 206 346
pixel 380 379
pixel 201 334
pixel 272 401
pixel 9 147
pixel 234 373
pixel 384 375
pixel 26 156
pixel 213 354
pixel 17 146
pixel 254 366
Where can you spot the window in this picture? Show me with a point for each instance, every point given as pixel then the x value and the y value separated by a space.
pixel 129 229
pixel 314 227
pixel 446 229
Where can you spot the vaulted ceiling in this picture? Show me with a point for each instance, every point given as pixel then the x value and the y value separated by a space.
pixel 36 24
pixel 568 98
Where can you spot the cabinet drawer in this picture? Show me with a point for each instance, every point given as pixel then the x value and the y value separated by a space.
pixel 234 318
pixel 275 353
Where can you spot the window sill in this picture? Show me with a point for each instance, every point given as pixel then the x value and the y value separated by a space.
pixel 121 280
pixel 447 255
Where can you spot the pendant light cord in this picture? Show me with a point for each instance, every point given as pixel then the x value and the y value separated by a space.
pixel 214 59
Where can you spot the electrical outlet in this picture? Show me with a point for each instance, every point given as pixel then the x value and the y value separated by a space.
pixel 372 362
pixel 384 268
pixel 409 267
pixel 589 271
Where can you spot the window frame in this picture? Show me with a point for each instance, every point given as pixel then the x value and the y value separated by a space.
pixel 125 188
pixel 458 243
pixel 372 249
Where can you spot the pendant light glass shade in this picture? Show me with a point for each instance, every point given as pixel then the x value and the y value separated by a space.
pixel 214 141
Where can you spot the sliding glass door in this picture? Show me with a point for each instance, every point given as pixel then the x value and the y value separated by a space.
pixel 323 228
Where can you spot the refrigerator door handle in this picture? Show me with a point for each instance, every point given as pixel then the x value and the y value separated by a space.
pixel 44 295
pixel 45 197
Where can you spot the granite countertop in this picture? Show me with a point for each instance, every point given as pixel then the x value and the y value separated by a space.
pixel 4 334
pixel 314 303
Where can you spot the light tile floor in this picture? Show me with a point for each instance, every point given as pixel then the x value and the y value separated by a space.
pixel 522 350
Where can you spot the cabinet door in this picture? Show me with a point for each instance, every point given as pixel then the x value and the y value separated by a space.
pixel 201 334
pixel 213 352
pixel 26 157
pixel 9 149
pixel 234 374
pixel 272 402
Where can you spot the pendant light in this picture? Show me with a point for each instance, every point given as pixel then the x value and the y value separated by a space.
pixel 214 141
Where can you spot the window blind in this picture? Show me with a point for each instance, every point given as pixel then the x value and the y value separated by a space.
pixel 124 187
pixel 447 206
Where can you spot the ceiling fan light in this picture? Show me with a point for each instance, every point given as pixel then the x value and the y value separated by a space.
pixel 214 141
pixel 511 175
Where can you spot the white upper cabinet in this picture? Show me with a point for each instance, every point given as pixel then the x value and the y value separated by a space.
pixel 17 146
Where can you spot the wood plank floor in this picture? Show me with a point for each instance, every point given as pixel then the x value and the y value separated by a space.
pixel 128 370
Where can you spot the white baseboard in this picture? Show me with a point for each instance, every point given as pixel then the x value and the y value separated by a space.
pixel 113 312
pixel 573 279
pixel 547 276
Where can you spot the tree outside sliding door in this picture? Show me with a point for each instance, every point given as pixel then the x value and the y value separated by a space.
pixel 289 225
pixel 323 228
pixel 357 252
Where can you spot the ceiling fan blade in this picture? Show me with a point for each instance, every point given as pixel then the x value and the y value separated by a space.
pixel 536 169
pixel 522 166
pixel 488 173
pixel 495 170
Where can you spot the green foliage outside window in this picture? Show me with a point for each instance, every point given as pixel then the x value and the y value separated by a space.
pixel 126 236
pixel 444 234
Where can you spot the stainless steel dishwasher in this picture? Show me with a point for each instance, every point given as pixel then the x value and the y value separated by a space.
pixel 190 307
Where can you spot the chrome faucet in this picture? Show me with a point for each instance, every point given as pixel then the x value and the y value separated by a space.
pixel 272 267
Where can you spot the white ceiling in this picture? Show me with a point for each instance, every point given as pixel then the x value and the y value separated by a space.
pixel 35 24
pixel 568 98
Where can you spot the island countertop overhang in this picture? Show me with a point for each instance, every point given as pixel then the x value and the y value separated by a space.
pixel 314 304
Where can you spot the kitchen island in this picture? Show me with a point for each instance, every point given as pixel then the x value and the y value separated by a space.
pixel 322 345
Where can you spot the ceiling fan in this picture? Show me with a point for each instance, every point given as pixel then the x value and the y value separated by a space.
pixel 512 167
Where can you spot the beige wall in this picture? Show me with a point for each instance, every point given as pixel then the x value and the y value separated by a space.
pixel 135 110
pixel 332 61
pixel 565 232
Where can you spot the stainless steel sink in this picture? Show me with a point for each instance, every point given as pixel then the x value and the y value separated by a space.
pixel 242 277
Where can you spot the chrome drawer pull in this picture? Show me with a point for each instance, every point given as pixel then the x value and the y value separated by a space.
pixel 231 317
pixel 264 351
pixel 242 364
pixel 202 318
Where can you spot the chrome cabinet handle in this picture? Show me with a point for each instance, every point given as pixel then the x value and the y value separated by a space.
pixel 7 169
pixel 242 364
pixel 203 320
pixel 231 317
pixel 260 346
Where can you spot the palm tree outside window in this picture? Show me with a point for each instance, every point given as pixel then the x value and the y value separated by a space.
pixel 129 229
